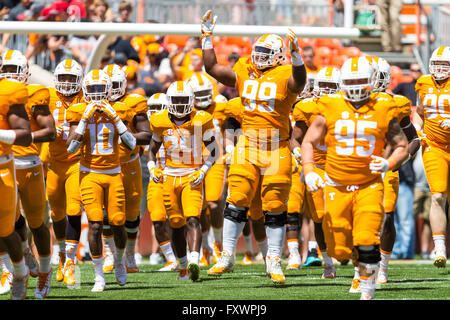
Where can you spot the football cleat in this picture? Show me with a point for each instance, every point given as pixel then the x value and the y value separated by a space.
pixel 224 265
pixel 5 282
pixel 99 284
pixel 19 287
pixel 131 263
pixel 170 266
pixel 367 296
pixel 194 271
pixel 69 274
pixel 294 262
pixel 108 263
pixel 313 259
pixel 60 270
pixel 275 271
pixel 204 261
pixel 248 258
pixel 121 273
pixel 217 251
pixel 440 259
pixel 155 258
pixel 31 263
pixel 382 277
pixel 43 284
pixel 183 274
pixel 329 271
pixel 356 286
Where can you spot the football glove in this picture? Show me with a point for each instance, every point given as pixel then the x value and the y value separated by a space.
pixel 378 165
pixel 445 123
pixel 297 153
pixel 90 110
pixel 314 181
pixel 197 177
pixel 156 174
pixel 207 24
pixel 296 57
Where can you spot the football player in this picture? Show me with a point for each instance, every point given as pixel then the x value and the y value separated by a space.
pixel 305 111
pixel 204 100
pixel 30 173
pixel 63 178
pixel 129 160
pixel 183 132
pixel 433 115
pixel 14 130
pixel 262 156
pixel 95 128
pixel 155 204
pixel 355 126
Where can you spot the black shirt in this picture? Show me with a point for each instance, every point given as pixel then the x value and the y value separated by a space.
pixel 408 90
pixel 124 46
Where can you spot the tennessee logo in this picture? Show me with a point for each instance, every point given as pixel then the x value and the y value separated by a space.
pixel 170 132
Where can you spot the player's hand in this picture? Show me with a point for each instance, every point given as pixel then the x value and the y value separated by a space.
pixel 445 123
pixel 314 181
pixel 293 41
pixel 295 165
pixel 59 130
pixel 156 174
pixel 207 24
pixel 378 165
pixel 197 177
pixel 297 153
pixel 109 110
pixel 90 110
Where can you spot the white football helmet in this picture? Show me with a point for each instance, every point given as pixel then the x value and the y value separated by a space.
pixel 327 81
pixel 358 79
pixel 118 80
pixel 15 66
pixel 440 63
pixel 268 51
pixel 71 85
pixel 96 85
pixel 180 98
pixel 158 101
pixel 203 90
pixel 384 75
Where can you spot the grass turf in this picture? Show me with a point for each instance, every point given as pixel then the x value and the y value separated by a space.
pixel 411 280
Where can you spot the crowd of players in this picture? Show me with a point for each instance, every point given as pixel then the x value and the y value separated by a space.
pixel 275 151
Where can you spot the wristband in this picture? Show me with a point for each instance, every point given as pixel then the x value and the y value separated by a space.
pixel 207 43
pixel 7 136
pixel 308 168
pixel 296 59
pixel 81 127
pixel 206 166
pixel 121 127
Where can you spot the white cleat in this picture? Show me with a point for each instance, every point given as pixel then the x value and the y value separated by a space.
pixel 43 284
pixel 440 259
pixel 170 266
pixel 224 265
pixel 356 286
pixel 294 262
pixel 19 287
pixel 108 262
pixel 5 282
pixel 31 263
pixel 121 273
pixel 155 258
pixel 99 285
pixel 382 277
pixel 329 271
pixel 273 268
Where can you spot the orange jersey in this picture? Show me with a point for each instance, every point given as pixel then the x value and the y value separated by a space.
pixel 100 145
pixel 11 93
pixel 182 144
pixel 136 104
pixel 234 109
pixel 306 110
pixel 402 103
pixel 59 104
pixel 38 95
pixel 267 100
pixel 354 135
pixel 436 108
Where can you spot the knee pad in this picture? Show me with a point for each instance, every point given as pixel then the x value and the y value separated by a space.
pixel 292 222
pixel 117 219
pixel 367 254
pixel 278 220
pixel 19 223
pixel 235 214
pixel 177 223
pixel 132 226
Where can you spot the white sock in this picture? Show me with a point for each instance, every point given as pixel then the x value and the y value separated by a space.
pixel 71 249
pixel 217 234
pixel 205 243
pixel 326 259
pixel 356 275
pixel 248 243
pixel 194 257
pixel 167 251
pixel 231 232
pixel 55 249
pixel 98 266
pixel 312 245
pixel 5 262
pixel 130 247
pixel 275 240
pixel 368 286
pixel 385 257
pixel 293 246
pixel 118 256
pixel 20 268
pixel 262 245
pixel 183 262
pixel 44 264
pixel 439 241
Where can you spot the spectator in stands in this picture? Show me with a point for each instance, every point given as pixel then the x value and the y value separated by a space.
pixel 311 68
pixel 125 10
pixel 81 47
pixel 121 45
pixel 101 12
pixel 17 10
pixel 338 13
pixel 407 89
pixel 158 64
pixel 391 28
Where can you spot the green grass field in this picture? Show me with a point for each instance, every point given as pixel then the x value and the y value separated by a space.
pixel 411 280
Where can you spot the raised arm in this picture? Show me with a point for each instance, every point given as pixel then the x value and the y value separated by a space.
pixel 297 81
pixel 221 73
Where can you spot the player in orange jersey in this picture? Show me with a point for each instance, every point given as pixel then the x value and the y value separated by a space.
pixel 30 173
pixel 63 177
pixel 356 125
pixel 434 117
pixel 129 162
pixel 305 111
pixel 14 130
pixel 268 88
pixel 95 128
pixel 183 132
